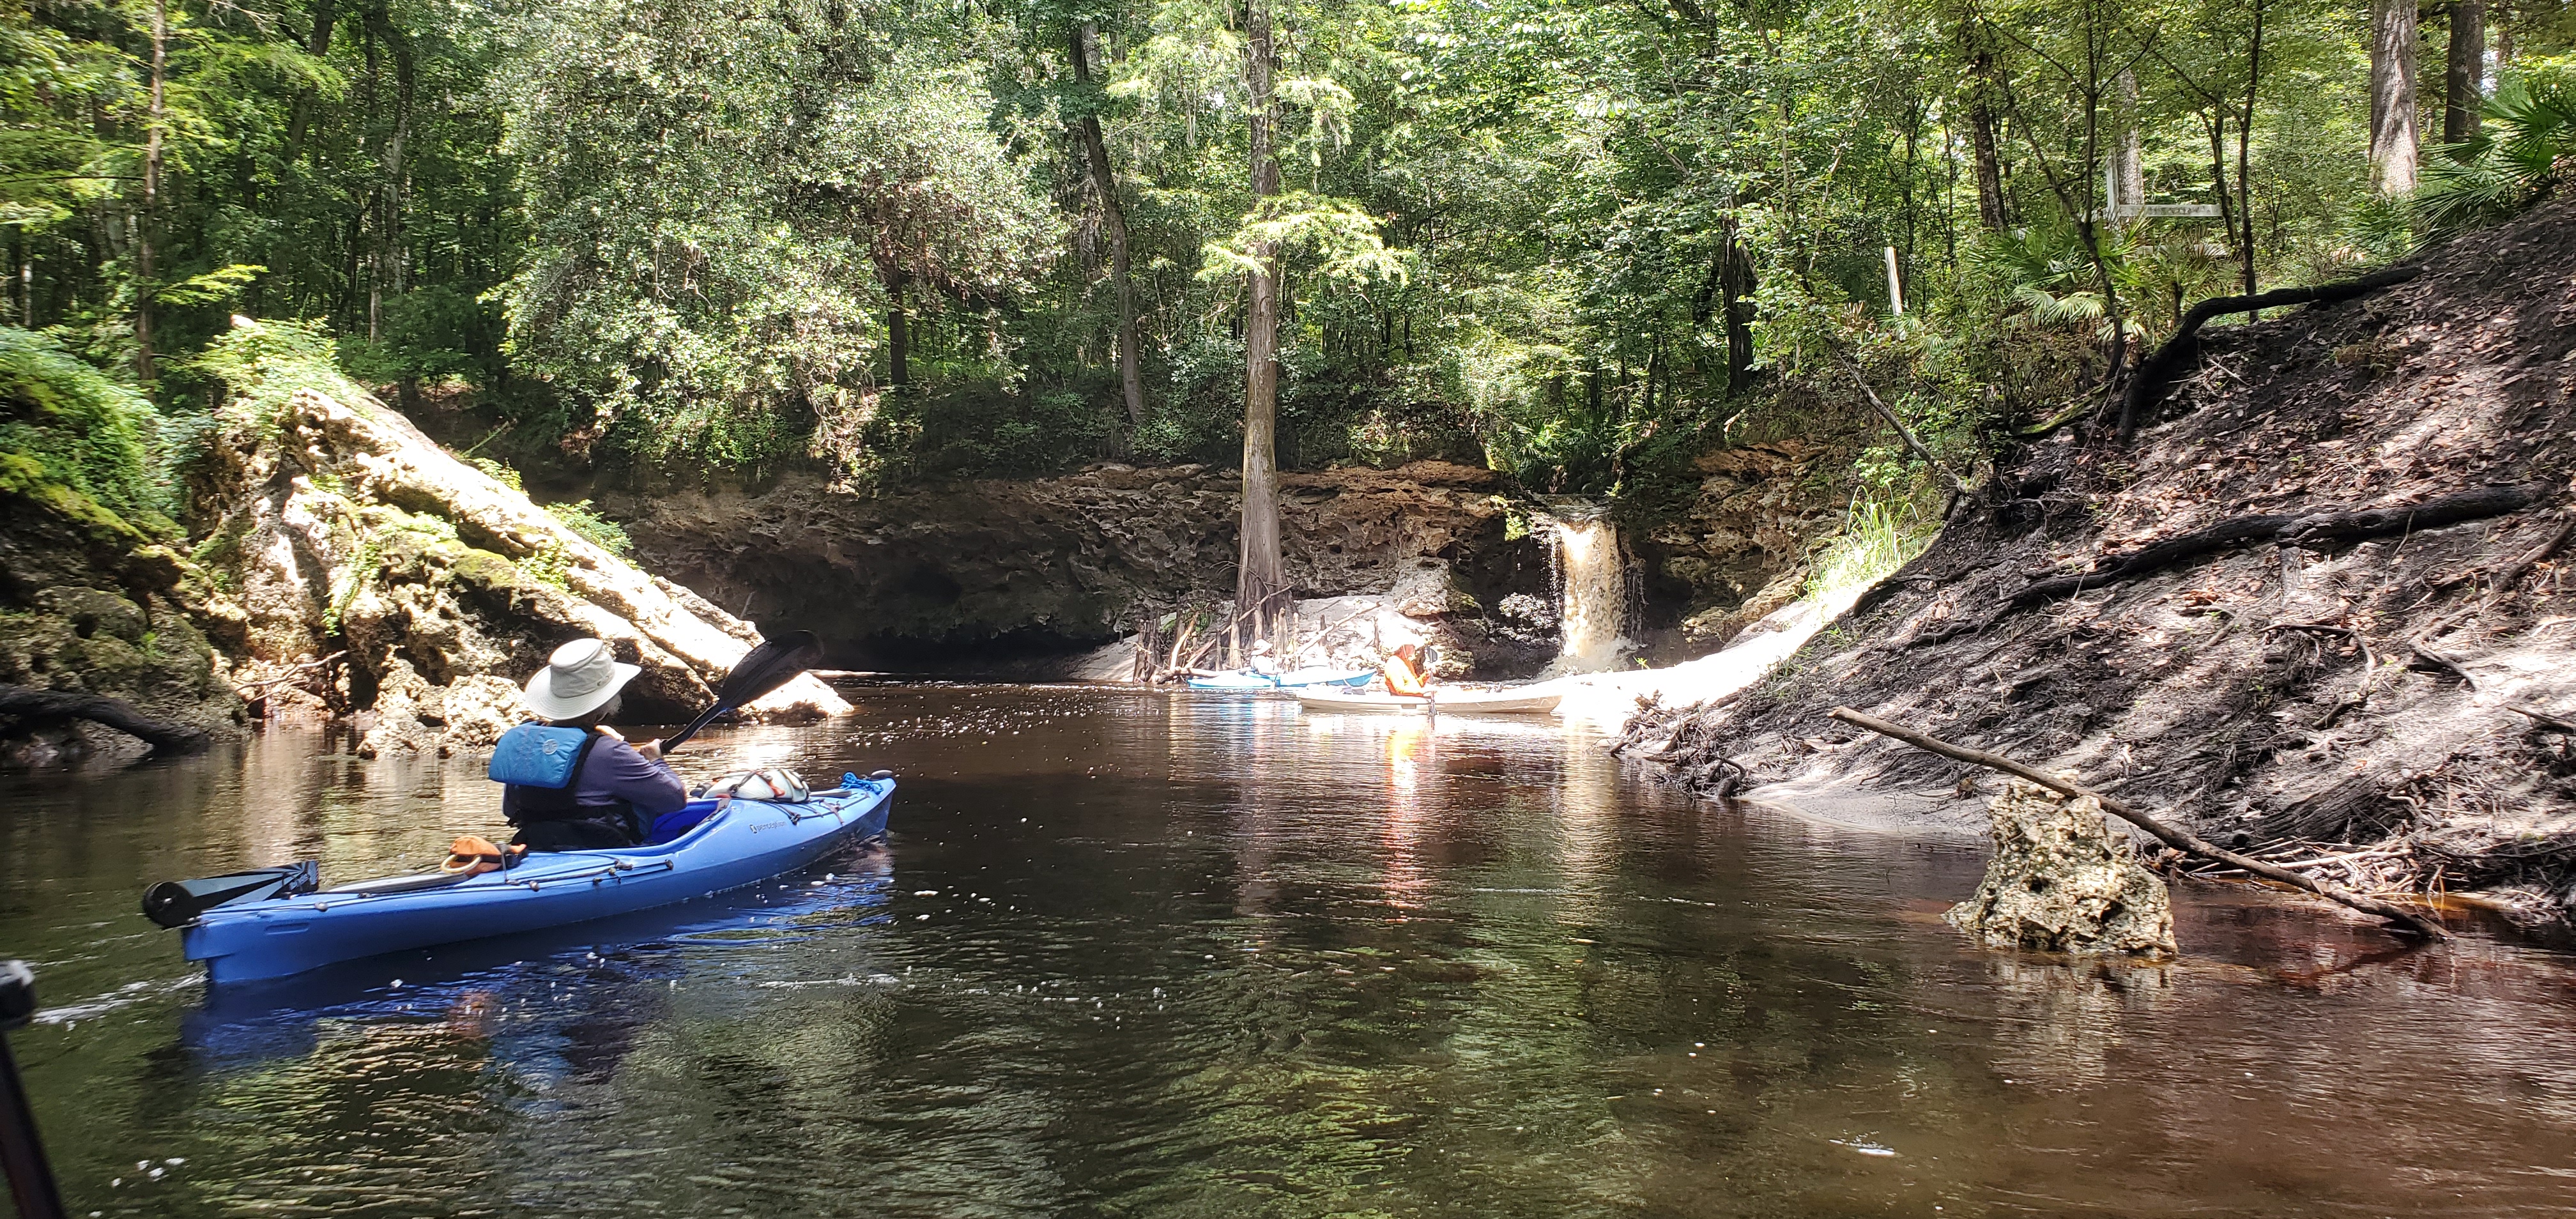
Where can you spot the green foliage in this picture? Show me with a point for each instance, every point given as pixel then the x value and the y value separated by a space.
pixel 2524 150
pixel 261 365
pixel 499 472
pixel 604 533
pixel 82 429
pixel 712 255
pixel 1577 242
pixel 1878 536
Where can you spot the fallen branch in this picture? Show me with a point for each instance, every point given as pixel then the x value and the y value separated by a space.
pixel 2158 372
pixel 258 688
pixel 2513 572
pixel 116 713
pixel 2180 840
pixel 2439 660
pixel 2545 719
pixel 2369 665
pixel 1958 486
pixel 2309 530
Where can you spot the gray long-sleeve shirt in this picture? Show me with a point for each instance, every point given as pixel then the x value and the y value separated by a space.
pixel 612 772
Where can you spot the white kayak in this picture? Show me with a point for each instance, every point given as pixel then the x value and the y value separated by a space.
pixel 1440 702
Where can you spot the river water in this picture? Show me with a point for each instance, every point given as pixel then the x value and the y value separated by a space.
pixel 1137 953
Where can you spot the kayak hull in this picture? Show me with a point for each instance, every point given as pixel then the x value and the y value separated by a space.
pixel 743 843
pixel 1299 679
pixel 1445 702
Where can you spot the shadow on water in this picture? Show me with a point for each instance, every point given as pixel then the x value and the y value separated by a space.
pixel 1148 954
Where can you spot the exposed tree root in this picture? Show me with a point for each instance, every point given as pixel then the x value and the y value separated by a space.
pixel 2160 368
pixel 163 736
pixel 2308 529
pixel 2180 840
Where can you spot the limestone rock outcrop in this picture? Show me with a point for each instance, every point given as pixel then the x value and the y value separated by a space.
pixel 350 535
pixel 2062 881
pixel 1739 550
pixel 985 568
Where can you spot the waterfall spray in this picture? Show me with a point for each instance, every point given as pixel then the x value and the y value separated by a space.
pixel 1592 591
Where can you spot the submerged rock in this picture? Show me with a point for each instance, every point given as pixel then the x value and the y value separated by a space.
pixel 2062 881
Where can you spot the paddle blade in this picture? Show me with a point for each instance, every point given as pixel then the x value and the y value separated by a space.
pixel 774 663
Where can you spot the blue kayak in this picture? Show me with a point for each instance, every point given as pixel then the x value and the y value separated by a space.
pixel 1298 679
pixel 740 842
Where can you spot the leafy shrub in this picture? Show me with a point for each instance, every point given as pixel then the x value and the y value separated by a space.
pixel 84 430
pixel 1877 538
pixel 263 364
pixel 604 533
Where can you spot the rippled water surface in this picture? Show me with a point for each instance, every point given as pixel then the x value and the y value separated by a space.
pixel 1131 953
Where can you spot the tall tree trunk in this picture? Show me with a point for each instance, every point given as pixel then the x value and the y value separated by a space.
pixel 1261 569
pixel 898 332
pixel 2394 145
pixel 2214 121
pixel 324 15
pixel 2245 148
pixel 1981 138
pixel 387 260
pixel 2464 84
pixel 143 286
pixel 1735 290
pixel 1113 218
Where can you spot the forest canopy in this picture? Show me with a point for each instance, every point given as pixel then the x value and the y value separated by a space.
pixel 920 238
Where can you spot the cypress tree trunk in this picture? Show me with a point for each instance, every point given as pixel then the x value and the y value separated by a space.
pixel 2394 144
pixel 1113 220
pixel 1261 571
pixel 2464 85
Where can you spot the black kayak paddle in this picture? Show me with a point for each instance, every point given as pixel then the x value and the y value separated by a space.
pixel 774 663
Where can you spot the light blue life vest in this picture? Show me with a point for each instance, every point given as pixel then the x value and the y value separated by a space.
pixel 535 756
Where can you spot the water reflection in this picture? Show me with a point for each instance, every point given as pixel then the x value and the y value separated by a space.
pixel 1135 953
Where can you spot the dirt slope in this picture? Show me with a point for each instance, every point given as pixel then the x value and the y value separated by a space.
pixel 2200 687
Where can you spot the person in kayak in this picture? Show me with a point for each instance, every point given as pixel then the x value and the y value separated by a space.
pixel 1401 675
pixel 1262 662
pixel 598 793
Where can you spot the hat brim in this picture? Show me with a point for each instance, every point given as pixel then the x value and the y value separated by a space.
pixel 546 704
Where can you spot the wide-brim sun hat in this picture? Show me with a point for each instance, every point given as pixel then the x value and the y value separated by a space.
pixel 578 679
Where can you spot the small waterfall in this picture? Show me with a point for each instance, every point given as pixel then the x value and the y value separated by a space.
pixel 1592 591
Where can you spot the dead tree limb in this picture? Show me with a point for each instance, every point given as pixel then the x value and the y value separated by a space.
pixel 1958 486
pixel 2160 368
pixel 2308 529
pixel 2179 839
pixel 2369 665
pixel 2545 719
pixel 163 736
pixel 2442 660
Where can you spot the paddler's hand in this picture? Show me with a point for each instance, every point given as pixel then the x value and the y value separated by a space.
pixel 650 751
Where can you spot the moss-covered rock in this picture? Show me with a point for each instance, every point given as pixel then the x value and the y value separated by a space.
pixel 93 600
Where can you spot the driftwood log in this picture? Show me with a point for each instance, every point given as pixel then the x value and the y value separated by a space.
pixel 116 713
pixel 2168 360
pixel 2304 529
pixel 2405 920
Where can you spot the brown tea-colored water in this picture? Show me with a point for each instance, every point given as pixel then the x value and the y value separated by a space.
pixel 1131 953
